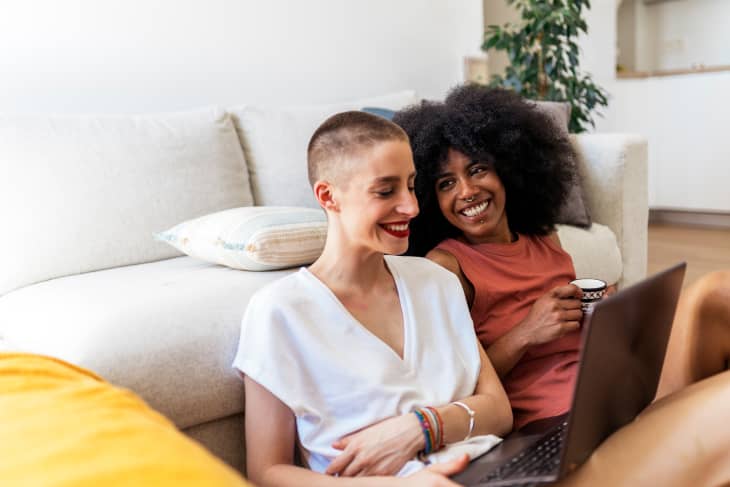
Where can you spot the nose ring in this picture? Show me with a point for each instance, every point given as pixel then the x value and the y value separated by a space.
pixel 469 199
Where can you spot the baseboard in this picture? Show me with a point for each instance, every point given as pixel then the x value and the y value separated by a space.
pixel 714 219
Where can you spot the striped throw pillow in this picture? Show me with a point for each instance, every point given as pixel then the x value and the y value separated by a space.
pixel 253 238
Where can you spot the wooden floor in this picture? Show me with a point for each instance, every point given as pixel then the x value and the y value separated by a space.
pixel 704 249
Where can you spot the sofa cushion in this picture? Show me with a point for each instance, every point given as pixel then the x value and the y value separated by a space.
pixel 594 251
pixel 83 193
pixel 275 143
pixel 65 426
pixel 167 330
pixel 254 238
pixel 386 113
pixel 557 111
pixel 574 210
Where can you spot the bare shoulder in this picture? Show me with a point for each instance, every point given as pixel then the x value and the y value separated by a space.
pixel 445 260
pixel 449 262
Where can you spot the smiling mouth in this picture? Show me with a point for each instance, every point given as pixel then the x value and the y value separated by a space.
pixel 399 229
pixel 476 210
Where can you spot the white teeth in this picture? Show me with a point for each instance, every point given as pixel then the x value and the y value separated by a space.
pixel 397 228
pixel 476 210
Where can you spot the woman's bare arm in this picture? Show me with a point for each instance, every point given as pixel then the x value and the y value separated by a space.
pixel 270 426
pixel 505 352
pixel 376 449
pixel 492 411
pixel 551 316
pixel 271 439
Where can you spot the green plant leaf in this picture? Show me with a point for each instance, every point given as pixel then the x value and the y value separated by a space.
pixel 544 42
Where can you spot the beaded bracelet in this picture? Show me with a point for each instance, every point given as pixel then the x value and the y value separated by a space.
pixel 440 426
pixel 427 430
pixel 432 426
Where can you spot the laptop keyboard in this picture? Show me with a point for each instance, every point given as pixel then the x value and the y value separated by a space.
pixel 533 463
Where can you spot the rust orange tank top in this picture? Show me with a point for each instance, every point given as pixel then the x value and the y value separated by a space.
pixel 507 280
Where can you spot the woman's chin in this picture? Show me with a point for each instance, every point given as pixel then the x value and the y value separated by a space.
pixel 479 229
pixel 392 244
pixel 394 248
pixel 473 227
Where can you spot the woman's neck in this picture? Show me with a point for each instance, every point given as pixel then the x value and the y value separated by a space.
pixel 345 269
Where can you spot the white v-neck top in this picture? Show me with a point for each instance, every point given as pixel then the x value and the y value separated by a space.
pixel 301 343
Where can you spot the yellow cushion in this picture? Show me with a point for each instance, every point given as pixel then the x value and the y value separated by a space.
pixel 64 426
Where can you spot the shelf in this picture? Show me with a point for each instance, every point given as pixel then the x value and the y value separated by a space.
pixel 670 72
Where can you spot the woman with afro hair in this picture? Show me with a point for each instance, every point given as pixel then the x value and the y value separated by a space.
pixel 492 173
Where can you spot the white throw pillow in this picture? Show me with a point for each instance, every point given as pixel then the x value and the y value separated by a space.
pixel 594 251
pixel 80 193
pixel 275 143
pixel 256 238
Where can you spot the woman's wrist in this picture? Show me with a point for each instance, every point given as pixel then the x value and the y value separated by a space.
pixel 416 439
pixel 507 350
pixel 470 412
pixel 432 429
pixel 520 338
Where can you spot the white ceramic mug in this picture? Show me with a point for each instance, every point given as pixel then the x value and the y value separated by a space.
pixel 593 291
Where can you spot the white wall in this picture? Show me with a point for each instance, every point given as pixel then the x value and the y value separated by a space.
pixel 598 48
pixel 685 119
pixel 594 56
pixel 681 34
pixel 140 56
pixel 498 12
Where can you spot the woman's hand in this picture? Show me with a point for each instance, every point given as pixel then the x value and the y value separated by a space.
pixel 552 316
pixel 436 475
pixel 379 449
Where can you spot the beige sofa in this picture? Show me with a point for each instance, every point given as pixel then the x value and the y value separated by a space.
pixel 83 279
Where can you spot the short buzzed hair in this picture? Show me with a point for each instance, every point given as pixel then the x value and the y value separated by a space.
pixel 343 136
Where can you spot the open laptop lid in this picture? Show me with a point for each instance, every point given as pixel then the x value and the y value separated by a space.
pixel 623 350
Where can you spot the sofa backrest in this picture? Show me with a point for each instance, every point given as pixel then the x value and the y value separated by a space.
pixel 83 193
pixel 275 144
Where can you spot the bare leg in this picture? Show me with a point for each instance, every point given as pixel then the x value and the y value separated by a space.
pixel 680 440
pixel 700 342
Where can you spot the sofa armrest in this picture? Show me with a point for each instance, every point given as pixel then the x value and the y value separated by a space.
pixel 614 170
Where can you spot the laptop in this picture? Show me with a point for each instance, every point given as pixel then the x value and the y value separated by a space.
pixel 623 346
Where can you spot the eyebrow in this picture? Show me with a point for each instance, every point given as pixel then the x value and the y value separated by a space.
pixel 472 163
pixel 391 179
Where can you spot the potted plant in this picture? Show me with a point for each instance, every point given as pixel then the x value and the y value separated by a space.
pixel 543 57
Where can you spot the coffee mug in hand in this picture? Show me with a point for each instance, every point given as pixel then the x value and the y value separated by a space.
pixel 593 291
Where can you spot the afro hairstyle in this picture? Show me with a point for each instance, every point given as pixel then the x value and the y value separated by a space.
pixel 531 155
